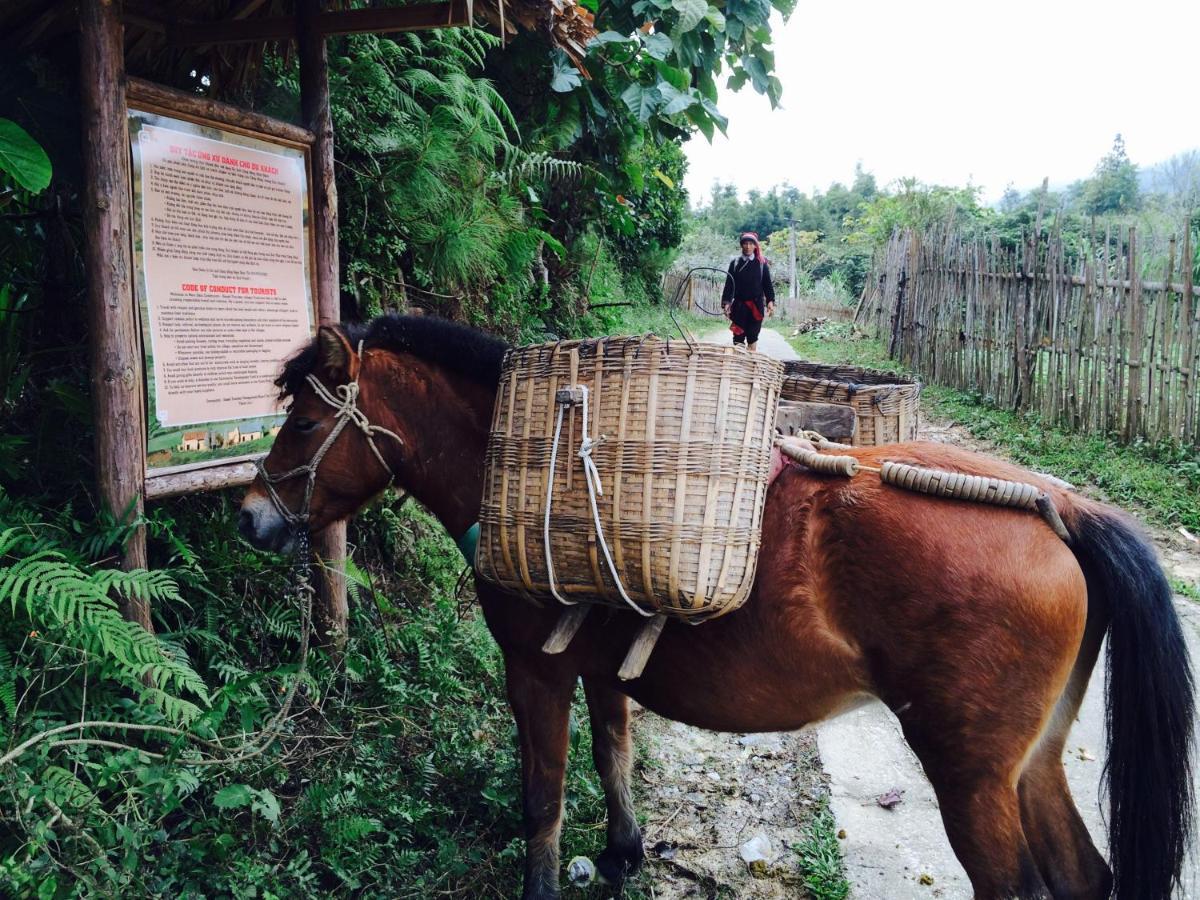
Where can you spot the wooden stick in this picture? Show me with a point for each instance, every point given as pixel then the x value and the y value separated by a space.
pixel 215 478
pixel 565 629
pixel 147 94
pixel 641 648
pixel 1136 379
pixel 1192 336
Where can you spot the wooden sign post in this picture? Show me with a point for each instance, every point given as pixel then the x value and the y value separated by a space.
pixel 117 368
pixel 330 544
pixel 116 354
pixel 117 362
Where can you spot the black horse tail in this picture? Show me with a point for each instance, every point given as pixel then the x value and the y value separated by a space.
pixel 1149 705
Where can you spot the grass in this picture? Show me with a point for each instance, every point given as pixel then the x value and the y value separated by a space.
pixel 1186 589
pixel 821 864
pixel 655 319
pixel 1159 481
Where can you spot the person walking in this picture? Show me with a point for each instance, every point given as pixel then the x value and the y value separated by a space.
pixel 749 296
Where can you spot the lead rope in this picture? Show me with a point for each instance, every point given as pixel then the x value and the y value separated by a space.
pixel 592 477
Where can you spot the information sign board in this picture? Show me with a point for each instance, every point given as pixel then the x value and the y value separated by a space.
pixel 222 249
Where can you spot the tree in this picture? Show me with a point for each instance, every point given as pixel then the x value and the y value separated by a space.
pixel 1179 179
pixel 915 205
pixel 1113 187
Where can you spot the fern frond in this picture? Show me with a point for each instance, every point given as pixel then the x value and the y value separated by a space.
pixel 56 593
pixel 65 789
pixel 8 684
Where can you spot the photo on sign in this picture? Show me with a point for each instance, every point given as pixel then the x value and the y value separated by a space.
pixel 222 255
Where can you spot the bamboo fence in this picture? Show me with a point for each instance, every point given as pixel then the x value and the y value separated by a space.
pixel 1081 337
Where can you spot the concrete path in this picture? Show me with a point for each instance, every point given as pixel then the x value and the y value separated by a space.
pixel 903 852
pixel 770 342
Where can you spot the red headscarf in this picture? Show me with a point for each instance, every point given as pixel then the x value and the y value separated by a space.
pixel 751 236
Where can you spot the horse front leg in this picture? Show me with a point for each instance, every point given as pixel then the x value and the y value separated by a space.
pixel 540 697
pixel 612 751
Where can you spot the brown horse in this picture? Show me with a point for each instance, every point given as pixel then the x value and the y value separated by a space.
pixel 975 624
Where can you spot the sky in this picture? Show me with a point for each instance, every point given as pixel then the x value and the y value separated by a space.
pixel 956 92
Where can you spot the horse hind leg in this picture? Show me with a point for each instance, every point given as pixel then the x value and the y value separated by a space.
pixel 612 753
pixel 982 817
pixel 974 722
pixel 1066 856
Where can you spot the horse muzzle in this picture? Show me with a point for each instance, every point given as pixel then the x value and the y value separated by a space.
pixel 260 523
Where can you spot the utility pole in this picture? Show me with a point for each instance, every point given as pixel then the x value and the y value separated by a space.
pixel 794 291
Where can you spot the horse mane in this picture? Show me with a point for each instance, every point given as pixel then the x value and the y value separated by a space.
pixel 450 345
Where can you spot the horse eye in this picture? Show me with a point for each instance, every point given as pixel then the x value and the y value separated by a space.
pixel 305 425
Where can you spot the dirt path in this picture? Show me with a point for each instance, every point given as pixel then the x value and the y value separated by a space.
pixel 709 794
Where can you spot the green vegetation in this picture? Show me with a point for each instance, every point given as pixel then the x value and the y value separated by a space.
pixel 1113 187
pixel 821 863
pixel 831 264
pixel 395 776
pixel 493 186
pixel 1186 589
pixel 497 183
pixel 1160 481
pixel 22 158
pixel 838 230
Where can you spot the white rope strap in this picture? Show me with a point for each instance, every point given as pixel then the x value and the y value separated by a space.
pixel 344 400
pixel 592 477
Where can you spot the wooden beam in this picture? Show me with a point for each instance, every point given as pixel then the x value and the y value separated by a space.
pixel 215 478
pixel 116 354
pixel 418 17
pixel 330 544
pixel 384 20
pixel 32 33
pixel 148 94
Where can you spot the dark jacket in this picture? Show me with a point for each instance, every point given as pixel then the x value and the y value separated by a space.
pixel 751 281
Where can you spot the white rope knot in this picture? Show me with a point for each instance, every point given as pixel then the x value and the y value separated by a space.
pixel 589 465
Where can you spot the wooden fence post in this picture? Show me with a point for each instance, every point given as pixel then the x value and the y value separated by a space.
pixel 116 359
pixel 1187 362
pixel 1134 352
pixel 330 544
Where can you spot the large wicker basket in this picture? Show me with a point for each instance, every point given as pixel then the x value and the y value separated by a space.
pixel 885 403
pixel 682 441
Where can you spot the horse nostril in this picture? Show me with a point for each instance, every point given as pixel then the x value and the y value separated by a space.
pixel 246 523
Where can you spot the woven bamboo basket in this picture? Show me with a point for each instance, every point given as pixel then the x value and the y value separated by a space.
pixel 885 403
pixel 681 445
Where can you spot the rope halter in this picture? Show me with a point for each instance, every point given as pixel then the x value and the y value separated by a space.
pixel 344 400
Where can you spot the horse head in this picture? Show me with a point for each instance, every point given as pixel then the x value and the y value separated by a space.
pixel 330 456
pixel 404 401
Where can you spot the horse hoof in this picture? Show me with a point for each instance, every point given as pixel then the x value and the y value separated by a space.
pixel 616 863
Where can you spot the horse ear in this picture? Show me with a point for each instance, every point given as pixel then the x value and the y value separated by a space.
pixel 335 356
